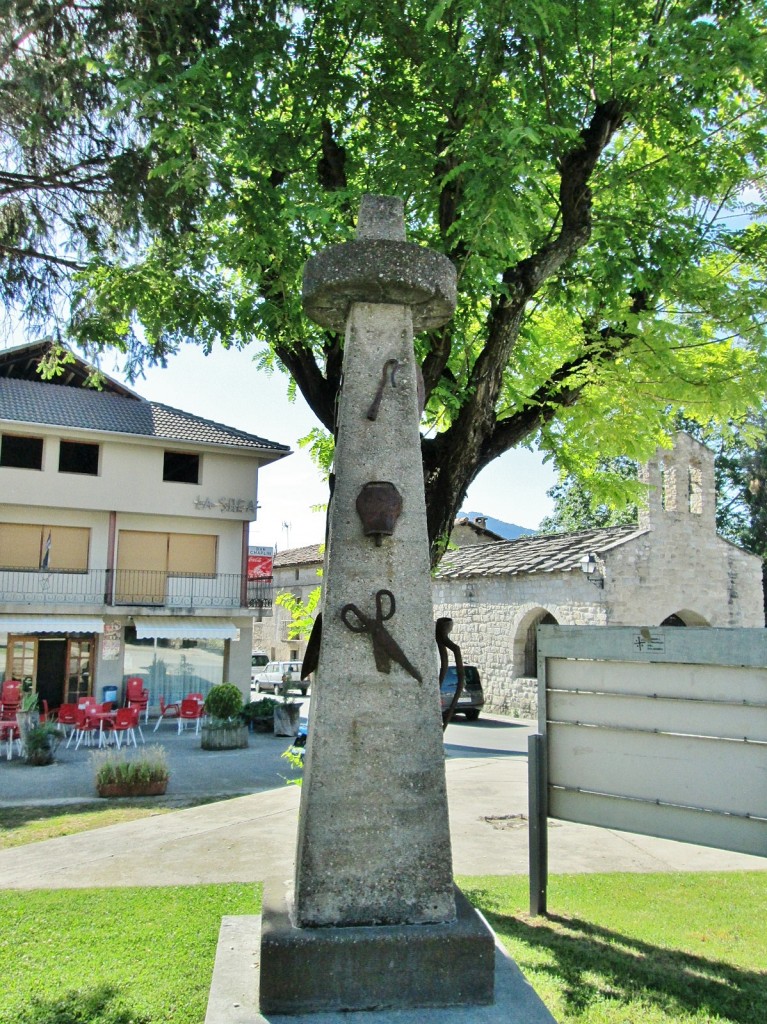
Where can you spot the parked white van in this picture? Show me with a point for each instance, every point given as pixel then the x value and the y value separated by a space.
pixel 258 660
pixel 278 677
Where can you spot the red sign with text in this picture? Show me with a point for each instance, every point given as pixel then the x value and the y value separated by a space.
pixel 260 563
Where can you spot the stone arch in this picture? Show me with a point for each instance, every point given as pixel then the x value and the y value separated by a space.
pixel 526 641
pixel 685 617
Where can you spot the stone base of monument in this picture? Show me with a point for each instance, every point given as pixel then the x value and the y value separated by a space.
pixel 241 978
pixel 363 968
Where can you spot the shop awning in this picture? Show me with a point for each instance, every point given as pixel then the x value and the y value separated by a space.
pixel 50 624
pixel 169 627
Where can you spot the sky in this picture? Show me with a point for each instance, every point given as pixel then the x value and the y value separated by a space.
pixel 227 387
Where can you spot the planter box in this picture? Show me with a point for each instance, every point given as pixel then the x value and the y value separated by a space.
pixel 224 737
pixel 136 789
pixel 286 719
pixel 26 720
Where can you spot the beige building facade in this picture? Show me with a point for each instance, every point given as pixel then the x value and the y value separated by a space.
pixel 123 539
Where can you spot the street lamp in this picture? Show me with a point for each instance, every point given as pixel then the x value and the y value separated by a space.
pixel 590 567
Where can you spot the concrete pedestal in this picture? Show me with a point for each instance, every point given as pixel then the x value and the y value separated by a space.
pixel 235 996
pixel 363 968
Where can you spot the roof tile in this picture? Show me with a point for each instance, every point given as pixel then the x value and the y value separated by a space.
pixel 555 552
pixel 26 401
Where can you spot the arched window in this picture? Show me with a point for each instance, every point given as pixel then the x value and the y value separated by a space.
pixel 685 617
pixel 673 620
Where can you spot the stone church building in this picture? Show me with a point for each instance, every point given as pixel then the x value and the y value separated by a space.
pixel 670 569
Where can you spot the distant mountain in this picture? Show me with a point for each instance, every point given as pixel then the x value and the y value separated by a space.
pixel 509 531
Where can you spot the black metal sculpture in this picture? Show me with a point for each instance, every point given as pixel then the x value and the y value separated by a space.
pixel 385 647
pixel 444 644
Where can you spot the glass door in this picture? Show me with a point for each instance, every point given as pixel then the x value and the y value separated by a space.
pixel 22 660
pixel 79 654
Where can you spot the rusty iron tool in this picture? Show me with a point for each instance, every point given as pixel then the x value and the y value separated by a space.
pixel 312 652
pixel 389 372
pixel 444 643
pixel 379 505
pixel 385 647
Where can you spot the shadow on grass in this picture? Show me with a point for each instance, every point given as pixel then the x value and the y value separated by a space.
pixel 589 963
pixel 21 815
pixel 102 1004
pixel 17 817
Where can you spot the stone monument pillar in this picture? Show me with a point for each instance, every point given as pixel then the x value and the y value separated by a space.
pixel 375 919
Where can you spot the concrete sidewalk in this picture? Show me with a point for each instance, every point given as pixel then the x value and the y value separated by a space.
pixel 251 837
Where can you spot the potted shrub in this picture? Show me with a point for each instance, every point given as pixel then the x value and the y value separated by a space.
pixel 27 715
pixel 142 773
pixel 223 728
pixel 259 714
pixel 41 741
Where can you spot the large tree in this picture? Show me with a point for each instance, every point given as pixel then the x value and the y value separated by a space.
pixel 609 498
pixel 78 158
pixel 595 172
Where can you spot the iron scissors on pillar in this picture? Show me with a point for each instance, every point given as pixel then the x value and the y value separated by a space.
pixel 385 647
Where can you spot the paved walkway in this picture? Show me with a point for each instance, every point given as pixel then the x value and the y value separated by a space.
pixel 253 836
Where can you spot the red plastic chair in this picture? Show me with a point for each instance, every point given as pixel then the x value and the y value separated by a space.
pixel 125 722
pixel 10 697
pixel 67 716
pixel 169 710
pixel 84 729
pixel 191 710
pixel 136 696
pixel 9 732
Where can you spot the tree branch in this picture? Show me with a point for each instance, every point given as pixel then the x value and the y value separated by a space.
pixel 524 279
pixel 450 198
pixel 434 364
pixel 11 250
pixel 556 393
pixel 331 169
pixel 319 394
pixel 11 182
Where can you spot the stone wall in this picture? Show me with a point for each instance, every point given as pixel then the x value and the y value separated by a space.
pixel 492 618
pixel 271 634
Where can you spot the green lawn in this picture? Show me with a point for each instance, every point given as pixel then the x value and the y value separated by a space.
pixel 639 949
pixel 31 824
pixel 113 956
pixel 615 949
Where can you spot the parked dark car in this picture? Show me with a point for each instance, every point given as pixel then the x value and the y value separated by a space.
pixel 471 700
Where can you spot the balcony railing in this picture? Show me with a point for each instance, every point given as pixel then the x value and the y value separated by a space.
pixel 133 587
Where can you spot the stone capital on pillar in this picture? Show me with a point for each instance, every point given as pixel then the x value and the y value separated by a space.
pixel 381 217
pixel 379 267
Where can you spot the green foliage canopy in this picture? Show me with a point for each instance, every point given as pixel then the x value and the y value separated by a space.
pixel 577 506
pixel 77 144
pixel 595 172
